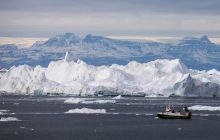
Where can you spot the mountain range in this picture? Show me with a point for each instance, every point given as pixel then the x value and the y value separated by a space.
pixel 195 53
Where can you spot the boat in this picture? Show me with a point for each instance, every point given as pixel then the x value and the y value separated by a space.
pixel 170 113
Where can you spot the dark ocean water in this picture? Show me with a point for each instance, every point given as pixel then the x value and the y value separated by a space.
pixel 43 118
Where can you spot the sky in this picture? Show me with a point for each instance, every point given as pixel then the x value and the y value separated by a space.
pixel 45 18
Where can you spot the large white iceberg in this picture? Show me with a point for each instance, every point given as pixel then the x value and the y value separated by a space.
pixel 157 78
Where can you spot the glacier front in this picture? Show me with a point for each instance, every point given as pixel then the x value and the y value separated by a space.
pixel 161 77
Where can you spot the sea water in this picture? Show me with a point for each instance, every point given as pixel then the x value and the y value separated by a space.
pixel 104 118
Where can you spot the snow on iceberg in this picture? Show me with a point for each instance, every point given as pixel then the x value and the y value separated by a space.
pixel 86 111
pixel 8 119
pixel 160 78
pixel 205 108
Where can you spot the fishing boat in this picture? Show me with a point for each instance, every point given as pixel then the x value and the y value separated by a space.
pixel 170 113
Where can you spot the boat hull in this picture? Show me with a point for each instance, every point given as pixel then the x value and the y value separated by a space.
pixel 168 116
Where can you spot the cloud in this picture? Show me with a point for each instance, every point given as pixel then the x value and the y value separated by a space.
pixel 46 17
pixel 113 6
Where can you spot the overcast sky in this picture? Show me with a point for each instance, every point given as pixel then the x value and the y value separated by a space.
pixel 44 18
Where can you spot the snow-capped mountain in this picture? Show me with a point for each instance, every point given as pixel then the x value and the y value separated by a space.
pixel 203 41
pixel 156 78
pixel 196 53
pixel 66 40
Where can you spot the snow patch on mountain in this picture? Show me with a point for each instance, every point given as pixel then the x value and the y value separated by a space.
pixel 66 40
pixel 204 40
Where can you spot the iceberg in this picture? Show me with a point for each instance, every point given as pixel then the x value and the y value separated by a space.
pixel 117 97
pixel 161 77
pixel 2 112
pixel 73 100
pixel 86 111
pixel 205 108
pixel 8 119
pixel 99 102
pixel 88 101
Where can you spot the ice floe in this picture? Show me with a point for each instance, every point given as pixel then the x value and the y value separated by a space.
pixel 73 100
pixel 88 101
pixel 117 97
pixel 208 108
pixel 6 119
pixel 99 102
pixel 3 112
pixel 86 111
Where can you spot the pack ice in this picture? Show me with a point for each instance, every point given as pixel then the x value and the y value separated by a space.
pixel 156 78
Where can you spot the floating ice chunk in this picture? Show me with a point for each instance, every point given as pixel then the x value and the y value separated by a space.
pixel 16 103
pixel 99 102
pixel 86 111
pixel 115 113
pixel 204 115
pixel 149 114
pixel 208 108
pixel 73 100
pixel 117 97
pixel 84 101
pixel 8 119
pixel 2 112
pixel 179 128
